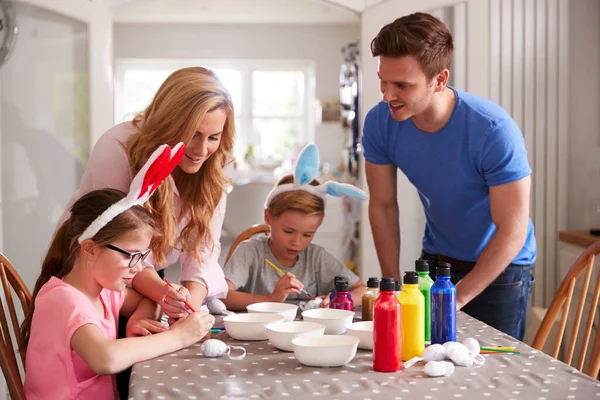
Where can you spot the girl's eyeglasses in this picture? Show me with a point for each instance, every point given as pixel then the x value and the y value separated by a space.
pixel 134 258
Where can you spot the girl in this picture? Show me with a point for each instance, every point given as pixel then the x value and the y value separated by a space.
pixel 191 106
pixel 294 210
pixel 70 331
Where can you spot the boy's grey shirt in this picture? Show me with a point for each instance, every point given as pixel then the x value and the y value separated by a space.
pixel 316 268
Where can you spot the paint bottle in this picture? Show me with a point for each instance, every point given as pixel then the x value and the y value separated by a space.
pixel 368 299
pixel 443 307
pixel 342 299
pixel 336 280
pixel 425 282
pixel 387 329
pixel 413 316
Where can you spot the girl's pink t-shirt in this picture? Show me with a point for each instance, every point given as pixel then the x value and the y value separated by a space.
pixel 53 369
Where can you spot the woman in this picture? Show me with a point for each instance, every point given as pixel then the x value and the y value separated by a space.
pixel 192 106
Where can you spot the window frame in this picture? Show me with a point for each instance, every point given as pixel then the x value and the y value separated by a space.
pixel 246 67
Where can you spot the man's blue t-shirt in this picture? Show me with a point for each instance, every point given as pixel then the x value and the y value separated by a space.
pixel 480 146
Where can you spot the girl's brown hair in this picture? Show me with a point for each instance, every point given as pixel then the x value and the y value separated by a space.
pixel 64 247
pixel 297 200
pixel 419 35
pixel 180 104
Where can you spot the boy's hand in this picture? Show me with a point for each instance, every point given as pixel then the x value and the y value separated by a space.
pixel 287 284
pixel 143 327
pixel 325 302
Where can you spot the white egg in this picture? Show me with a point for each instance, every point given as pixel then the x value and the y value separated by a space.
pixel 472 345
pixel 438 368
pixel 459 354
pixel 213 348
pixel 435 352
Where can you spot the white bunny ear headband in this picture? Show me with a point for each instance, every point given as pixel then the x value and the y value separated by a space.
pixel 305 171
pixel 160 164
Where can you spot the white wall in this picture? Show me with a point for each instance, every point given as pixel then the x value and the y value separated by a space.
pixel 319 43
pixel 584 111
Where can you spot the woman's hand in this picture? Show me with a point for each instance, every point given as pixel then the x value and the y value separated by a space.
pixel 143 327
pixel 172 300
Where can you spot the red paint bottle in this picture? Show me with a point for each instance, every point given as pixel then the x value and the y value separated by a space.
pixel 387 329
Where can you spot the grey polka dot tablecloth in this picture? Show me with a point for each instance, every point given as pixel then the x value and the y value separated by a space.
pixel 269 373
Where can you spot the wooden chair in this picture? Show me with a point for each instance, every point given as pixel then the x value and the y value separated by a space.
pixel 247 234
pixel 11 281
pixel 585 263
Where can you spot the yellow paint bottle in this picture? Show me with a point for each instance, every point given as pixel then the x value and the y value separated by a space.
pixel 413 317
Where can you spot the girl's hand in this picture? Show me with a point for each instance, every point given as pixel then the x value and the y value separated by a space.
pixel 193 327
pixel 169 301
pixel 143 327
pixel 325 302
pixel 287 284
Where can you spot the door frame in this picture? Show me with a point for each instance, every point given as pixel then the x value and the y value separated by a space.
pixel 97 17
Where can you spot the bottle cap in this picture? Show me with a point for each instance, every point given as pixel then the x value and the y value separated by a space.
pixel 340 279
pixel 422 266
pixel 443 269
pixel 411 278
pixel 397 286
pixel 341 286
pixel 373 282
pixel 388 284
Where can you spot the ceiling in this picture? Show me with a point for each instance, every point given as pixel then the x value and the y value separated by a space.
pixel 239 11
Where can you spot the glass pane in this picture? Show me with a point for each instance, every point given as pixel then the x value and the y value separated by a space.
pixel 278 93
pixel 232 80
pixel 278 137
pixel 44 133
pixel 140 85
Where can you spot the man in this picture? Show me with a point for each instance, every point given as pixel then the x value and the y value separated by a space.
pixel 467 159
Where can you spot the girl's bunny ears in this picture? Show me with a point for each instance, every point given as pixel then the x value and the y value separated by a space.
pixel 160 164
pixel 305 171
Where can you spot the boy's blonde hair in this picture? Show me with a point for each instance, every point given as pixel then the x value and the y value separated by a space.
pixel 296 200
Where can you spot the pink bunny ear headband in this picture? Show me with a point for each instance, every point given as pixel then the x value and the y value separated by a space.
pixel 306 169
pixel 160 164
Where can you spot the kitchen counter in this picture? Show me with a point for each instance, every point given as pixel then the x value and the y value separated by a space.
pixel 578 238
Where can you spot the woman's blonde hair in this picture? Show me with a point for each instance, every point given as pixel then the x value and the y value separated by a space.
pixel 297 200
pixel 180 104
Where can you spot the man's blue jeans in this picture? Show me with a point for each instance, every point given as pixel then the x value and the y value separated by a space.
pixel 502 305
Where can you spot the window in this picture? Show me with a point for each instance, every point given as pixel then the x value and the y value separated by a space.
pixel 271 99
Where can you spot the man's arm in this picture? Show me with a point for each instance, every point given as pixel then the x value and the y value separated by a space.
pixel 509 206
pixel 384 216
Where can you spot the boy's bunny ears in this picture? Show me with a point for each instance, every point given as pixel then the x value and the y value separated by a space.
pixel 160 164
pixel 306 170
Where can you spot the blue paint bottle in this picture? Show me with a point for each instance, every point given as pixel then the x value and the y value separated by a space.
pixel 443 307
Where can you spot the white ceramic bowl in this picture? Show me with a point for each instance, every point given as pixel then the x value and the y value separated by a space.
pixel 249 326
pixel 335 321
pixel 363 330
pixel 325 350
pixel 287 310
pixel 280 334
